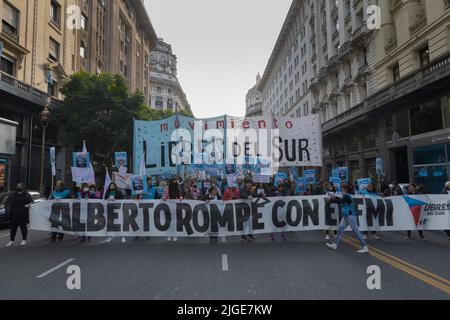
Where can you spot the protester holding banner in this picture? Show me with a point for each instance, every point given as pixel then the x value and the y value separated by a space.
pixel 60 192
pixel 112 194
pixel 446 190
pixel 174 193
pixel 17 206
pixel 329 191
pixel 152 192
pixel 349 218
pixel 370 191
pixel 213 194
pixel 309 190
pixel 412 190
pixel 232 193
pixel 246 194
pixel 90 193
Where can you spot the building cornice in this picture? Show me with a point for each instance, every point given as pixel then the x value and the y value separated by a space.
pixel 144 20
pixel 293 12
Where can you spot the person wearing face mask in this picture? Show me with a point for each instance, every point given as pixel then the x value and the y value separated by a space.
pixel 113 194
pixel 17 206
pixel 83 192
pixel 89 193
pixel 60 192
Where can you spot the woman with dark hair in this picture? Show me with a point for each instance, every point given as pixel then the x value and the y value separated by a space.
pixel 113 194
pixel 348 219
pixel 309 190
pixel 174 193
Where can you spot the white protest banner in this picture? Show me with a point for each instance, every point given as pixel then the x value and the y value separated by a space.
pixel 83 175
pixel 283 142
pixel 123 181
pixel 258 216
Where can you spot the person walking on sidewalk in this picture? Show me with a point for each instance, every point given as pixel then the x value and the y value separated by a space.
pixel 17 206
pixel 348 219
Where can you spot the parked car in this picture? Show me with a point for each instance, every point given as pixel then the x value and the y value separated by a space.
pixel 4 219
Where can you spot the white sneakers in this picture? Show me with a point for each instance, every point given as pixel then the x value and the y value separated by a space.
pixel 327 237
pixel 124 240
pixel 333 246
pixel 174 239
pixel 109 240
pixel 364 250
pixel 11 243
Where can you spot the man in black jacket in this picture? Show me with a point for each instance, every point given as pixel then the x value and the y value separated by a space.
pixel 17 206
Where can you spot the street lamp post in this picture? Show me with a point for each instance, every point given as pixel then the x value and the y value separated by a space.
pixel 44 122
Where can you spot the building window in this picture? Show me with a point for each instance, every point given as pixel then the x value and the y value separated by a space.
pixel 424 56
pixel 83 22
pixel 54 13
pixel 158 89
pixel 53 50
pixel 10 21
pixel 170 104
pixel 396 72
pixel 159 103
pixel 426 118
pixel 8 66
pixel 83 52
pixel 430 166
pixel 52 89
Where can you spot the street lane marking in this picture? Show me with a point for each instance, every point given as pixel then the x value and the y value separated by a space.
pixel 225 262
pixel 414 271
pixel 6 235
pixel 46 273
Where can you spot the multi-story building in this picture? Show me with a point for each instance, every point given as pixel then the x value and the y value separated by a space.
pixel 166 92
pixel 253 103
pixel 43 42
pixel 284 85
pixel 384 93
pixel 36 50
pixel 116 37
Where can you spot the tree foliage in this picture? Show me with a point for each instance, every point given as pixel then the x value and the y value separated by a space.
pixel 100 109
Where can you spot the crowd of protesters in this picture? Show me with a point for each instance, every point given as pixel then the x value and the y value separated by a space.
pixel 177 188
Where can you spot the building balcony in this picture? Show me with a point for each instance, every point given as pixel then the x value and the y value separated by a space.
pixel 333 61
pixel 359 33
pixel 345 49
pixel 428 79
pixel 419 25
pixel 254 110
pixel 356 4
pixel 10 34
pixel 24 91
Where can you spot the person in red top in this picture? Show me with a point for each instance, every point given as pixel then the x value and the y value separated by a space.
pixel 231 194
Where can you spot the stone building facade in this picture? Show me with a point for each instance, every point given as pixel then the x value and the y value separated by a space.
pixel 166 92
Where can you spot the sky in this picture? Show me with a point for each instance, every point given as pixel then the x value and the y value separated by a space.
pixel 221 45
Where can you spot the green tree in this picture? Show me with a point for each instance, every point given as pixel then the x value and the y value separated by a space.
pixel 100 109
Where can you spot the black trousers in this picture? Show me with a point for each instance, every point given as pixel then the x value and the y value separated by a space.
pixel 58 235
pixel 18 222
pixel 420 234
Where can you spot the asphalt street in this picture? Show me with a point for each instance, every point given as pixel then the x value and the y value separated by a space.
pixel 301 268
